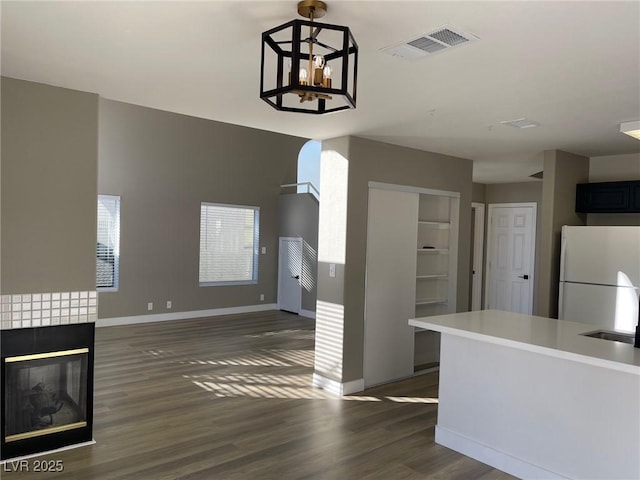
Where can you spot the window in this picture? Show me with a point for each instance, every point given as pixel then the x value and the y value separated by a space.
pixel 309 167
pixel 228 244
pixel 108 242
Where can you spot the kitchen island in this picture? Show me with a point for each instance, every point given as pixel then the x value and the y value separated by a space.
pixel 533 397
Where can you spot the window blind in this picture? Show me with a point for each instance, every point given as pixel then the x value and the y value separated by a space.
pixel 108 241
pixel 228 244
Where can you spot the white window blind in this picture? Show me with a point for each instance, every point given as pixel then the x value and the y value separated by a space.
pixel 228 244
pixel 108 242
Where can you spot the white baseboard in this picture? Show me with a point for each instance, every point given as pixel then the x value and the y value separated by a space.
pixel 165 317
pixel 307 313
pixel 492 457
pixel 336 387
pixel 16 460
pixel 353 386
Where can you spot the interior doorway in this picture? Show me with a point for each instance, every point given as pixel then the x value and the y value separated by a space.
pixel 477 255
pixel 511 257
pixel 290 274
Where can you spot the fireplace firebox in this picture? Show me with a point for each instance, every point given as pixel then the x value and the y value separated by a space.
pixel 47 388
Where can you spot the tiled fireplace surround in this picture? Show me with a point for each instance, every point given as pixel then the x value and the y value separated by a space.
pixel 29 310
pixel 36 323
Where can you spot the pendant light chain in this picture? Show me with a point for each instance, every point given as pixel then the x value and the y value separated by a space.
pixel 311 46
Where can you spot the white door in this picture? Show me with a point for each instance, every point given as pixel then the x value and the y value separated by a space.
pixel 510 257
pixel 290 274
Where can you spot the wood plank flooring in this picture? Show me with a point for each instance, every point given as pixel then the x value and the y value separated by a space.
pixel 230 398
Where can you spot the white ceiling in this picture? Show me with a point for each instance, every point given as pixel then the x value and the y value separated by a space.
pixel 573 67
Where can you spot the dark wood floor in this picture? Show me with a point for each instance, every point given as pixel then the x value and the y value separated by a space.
pixel 230 398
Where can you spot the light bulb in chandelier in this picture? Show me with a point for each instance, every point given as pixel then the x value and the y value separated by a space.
pixel 326 77
pixel 318 64
pixel 302 76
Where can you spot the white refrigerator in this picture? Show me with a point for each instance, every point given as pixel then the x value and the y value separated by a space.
pixel 600 276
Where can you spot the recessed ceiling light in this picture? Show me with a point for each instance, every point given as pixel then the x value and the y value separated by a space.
pixel 631 128
pixel 520 123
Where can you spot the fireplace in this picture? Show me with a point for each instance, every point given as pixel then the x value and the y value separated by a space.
pixel 47 388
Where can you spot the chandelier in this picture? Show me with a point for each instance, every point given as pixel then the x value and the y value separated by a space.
pixel 309 67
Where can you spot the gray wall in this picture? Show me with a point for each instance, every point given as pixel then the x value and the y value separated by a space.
pixel 298 217
pixel 562 171
pixel 524 192
pixel 49 188
pixel 613 168
pixel 514 192
pixel 380 162
pixel 164 165
pixel 479 192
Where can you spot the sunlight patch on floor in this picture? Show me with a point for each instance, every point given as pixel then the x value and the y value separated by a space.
pixel 235 389
pixel 295 334
pixel 158 353
pixel 270 358
pixel 282 387
pixel 237 376
pixel 412 399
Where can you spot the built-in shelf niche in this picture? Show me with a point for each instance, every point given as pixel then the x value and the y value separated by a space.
pixel 436 268
pixel 411 270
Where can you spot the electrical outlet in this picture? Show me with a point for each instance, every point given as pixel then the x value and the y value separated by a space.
pixel 262 297
pixel 264 250
pixel 169 304
pixel 332 269
pixel 150 306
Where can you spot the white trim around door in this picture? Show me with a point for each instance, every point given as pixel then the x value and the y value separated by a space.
pixel 477 262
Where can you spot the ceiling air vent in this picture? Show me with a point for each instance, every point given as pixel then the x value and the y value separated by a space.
pixel 426 44
pixel 436 41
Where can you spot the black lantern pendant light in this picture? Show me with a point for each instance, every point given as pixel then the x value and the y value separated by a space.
pixel 309 67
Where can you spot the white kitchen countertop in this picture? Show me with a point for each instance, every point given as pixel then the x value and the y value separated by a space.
pixel 558 338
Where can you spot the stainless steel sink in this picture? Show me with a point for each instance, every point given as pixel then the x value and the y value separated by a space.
pixel 614 336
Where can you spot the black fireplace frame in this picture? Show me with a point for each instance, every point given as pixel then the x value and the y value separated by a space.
pixel 28 341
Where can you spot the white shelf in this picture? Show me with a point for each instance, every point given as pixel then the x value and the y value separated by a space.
pixel 430 301
pixel 440 225
pixel 436 272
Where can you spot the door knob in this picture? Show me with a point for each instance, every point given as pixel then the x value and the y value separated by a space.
pixel 526 277
pixel 297 277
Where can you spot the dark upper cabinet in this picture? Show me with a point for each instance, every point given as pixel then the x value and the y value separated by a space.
pixel 635 197
pixel 608 197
